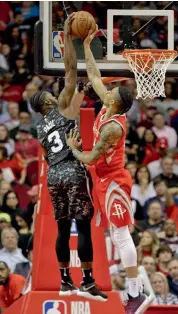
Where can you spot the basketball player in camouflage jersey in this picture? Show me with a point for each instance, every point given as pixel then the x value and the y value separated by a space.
pixel 68 181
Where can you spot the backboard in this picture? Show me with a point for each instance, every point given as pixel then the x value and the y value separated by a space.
pixel 117 21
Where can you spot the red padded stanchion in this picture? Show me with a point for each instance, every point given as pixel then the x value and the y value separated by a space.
pixel 87 117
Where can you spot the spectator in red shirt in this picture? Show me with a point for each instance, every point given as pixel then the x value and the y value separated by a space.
pixel 164 256
pixel 147 122
pixel 11 92
pixel 26 146
pixel 157 152
pixel 6 14
pixel 12 169
pixel 11 286
pixel 162 146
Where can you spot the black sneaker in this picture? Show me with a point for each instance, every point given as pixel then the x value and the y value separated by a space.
pixel 91 291
pixel 67 288
pixel 139 304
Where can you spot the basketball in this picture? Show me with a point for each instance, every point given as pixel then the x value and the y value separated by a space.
pixel 82 24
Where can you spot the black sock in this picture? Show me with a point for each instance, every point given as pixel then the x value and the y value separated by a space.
pixel 87 275
pixel 65 274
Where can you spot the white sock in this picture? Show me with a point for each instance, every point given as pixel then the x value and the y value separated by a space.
pixel 133 287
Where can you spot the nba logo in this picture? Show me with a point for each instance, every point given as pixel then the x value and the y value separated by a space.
pixel 58 45
pixel 54 307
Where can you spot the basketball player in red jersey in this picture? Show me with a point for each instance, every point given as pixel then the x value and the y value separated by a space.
pixel 113 183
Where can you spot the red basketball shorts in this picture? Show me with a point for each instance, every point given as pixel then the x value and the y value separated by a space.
pixel 112 197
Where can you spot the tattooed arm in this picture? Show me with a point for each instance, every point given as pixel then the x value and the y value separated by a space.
pixel 70 61
pixel 110 135
pixel 93 72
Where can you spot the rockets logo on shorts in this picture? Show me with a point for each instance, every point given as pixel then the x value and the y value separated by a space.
pixel 54 307
pixel 119 211
pixel 116 198
pixel 119 215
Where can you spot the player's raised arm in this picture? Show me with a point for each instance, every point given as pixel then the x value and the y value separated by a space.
pixel 110 135
pixel 93 72
pixel 70 61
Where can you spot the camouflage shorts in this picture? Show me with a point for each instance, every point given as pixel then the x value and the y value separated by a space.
pixel 69 189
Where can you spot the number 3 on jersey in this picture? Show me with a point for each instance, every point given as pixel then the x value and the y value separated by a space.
pixel 55 138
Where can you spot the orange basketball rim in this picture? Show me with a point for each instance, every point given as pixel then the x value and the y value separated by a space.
pixel 149 67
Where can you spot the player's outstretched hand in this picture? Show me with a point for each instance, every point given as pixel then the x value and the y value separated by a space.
pixel 90 36
pixel 73 140
pixel 67 24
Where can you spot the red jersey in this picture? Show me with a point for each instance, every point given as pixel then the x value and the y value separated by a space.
pixel 14 164
pixel 113 159
pixel 27 150
pixel 112 183
pixel 12 290
pixel 13 93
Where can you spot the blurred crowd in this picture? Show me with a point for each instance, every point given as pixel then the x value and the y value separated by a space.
pixel 151 153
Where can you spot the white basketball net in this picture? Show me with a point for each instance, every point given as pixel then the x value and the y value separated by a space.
pixel 149 69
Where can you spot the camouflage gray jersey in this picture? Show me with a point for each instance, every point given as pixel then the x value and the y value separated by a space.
pixel 69 182
pixel 51 134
